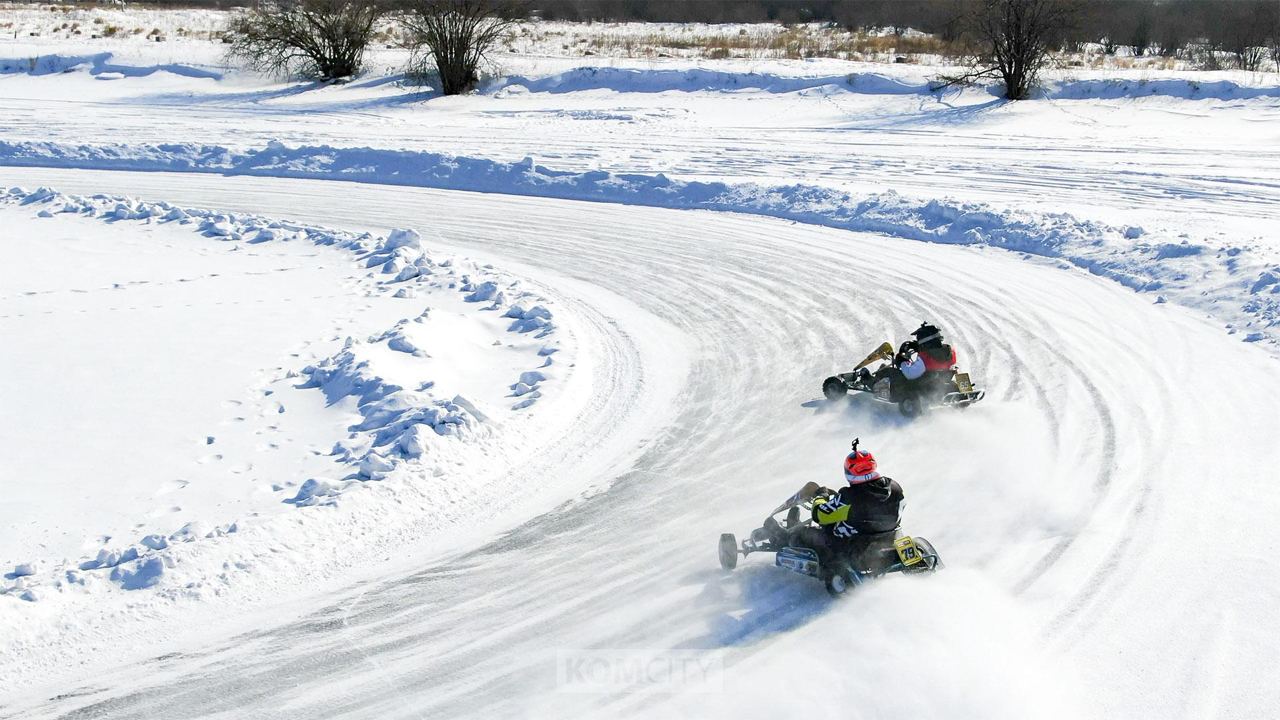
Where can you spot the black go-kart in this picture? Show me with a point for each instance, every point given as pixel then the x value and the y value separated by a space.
pixel 891 552
pixel 936 389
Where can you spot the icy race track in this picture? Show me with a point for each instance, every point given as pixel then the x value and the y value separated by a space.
pixel 1107 514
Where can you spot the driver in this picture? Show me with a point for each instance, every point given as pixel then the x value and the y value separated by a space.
pixel 927 353
pixel 848 521
pixel 936 355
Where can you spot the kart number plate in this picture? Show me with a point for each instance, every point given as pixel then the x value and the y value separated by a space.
pixel 963 383
pixel 908 551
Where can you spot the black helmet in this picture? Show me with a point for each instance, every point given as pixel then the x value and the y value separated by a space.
pixel 928 335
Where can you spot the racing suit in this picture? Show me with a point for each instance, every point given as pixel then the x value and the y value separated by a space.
pixel 854 520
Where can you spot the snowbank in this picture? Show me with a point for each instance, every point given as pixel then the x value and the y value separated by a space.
pixel 1185 88
pixel 648 80
pixel 709 77
pixel 1228 282
pixel 651 80
pixel 98 64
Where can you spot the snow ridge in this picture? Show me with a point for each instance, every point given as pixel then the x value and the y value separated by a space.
pixel 1227 282
pixel 97 64
pixel 697 79
pixel 657 80
pixel 653 80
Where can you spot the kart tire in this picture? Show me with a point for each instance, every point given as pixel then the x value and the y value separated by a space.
pixel 932 558
pixel 833 388
pixel 911 407
pixel 728 551
pixel 841 581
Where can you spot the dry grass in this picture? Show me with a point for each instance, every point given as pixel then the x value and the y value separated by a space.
pixel 774 42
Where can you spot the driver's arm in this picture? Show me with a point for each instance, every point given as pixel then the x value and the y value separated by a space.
pixel 913 369
pixel 829 509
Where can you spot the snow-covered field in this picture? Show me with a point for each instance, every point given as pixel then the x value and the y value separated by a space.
pixel 342 402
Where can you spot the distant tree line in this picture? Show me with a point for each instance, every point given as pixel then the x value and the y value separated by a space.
pixel 1243 33
pixel 847 13
pixel 1246 31
pixel 1214 34
pixel 1009 39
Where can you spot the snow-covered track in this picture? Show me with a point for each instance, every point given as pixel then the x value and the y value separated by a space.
pixel 1106 513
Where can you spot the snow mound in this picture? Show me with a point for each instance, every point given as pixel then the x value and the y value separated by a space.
pixel 1116 89
pixel 394 421
pixel 481 292
pixel 650 80
pixel 98 64
pixel 315 491
pixel 536 318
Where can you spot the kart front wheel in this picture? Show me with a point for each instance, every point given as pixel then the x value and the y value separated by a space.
pixel 834 388
pixel 728 551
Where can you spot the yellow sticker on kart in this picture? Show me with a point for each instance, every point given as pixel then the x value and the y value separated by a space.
pixel 908 551
pixel 963 383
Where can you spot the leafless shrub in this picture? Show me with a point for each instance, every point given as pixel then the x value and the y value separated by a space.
pixel 1016 38
pixel 457 35
pixel 1206 56
pixel 323 39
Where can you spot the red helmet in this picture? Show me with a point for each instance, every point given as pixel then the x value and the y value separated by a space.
pixel 860 466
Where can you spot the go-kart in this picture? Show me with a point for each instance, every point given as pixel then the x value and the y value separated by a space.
pixel 886 553
pixel 936 389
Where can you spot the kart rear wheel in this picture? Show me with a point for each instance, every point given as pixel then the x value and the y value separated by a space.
pixel 728 551
pixel 911 407
pixel 833 388
pixel 841 581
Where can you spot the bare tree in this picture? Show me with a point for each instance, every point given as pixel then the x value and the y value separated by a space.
pixel 1272 25
pixel 1170 40
pixel 1140 40
pixel 1244 35
pixel 1016 37
pixel 1207 55
pixel 458 34
pixel 323 39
